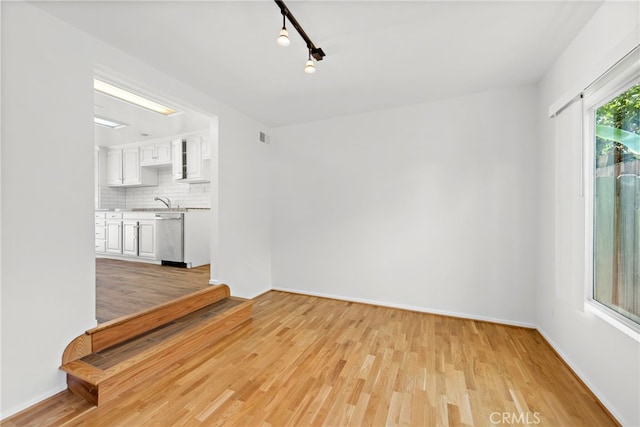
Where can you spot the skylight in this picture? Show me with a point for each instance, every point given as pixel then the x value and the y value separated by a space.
pixel 108 123
pixel 132 98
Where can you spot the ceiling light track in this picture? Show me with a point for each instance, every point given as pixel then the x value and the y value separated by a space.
pixel 283 39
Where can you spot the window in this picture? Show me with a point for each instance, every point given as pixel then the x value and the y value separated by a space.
pixel 614 131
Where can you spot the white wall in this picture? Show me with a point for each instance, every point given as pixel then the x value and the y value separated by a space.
pixel 48 270
pixel 431 207
pixel 244 253
pixel 47 152
pixel 607 360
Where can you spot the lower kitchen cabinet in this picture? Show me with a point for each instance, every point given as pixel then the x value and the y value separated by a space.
pixel 146 239
pixel 101 232
pixel 132 236
pixel 113 234
pixel 126 234
pixel 138 238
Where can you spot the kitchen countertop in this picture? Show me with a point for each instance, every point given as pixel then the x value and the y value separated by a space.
pixel 153 210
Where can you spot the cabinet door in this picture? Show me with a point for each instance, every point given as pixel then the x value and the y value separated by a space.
pixel 130 237
pixel 100 246
pixel 146 239
pixel 101 235
pixel 147 155
pixel 163 153
pixel 206 148
pixel 114 237
pixel 194 159
pixel 114 167
pixel 130 166
pixel 178 160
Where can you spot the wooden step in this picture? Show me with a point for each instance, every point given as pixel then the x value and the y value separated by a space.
pixel 101 364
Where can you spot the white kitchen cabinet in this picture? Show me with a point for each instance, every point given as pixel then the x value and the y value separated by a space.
pixel 138 238
pixel 146 239
pixel 155 154
pixel 177 150
pixel 194 159
pixel 147 155
pixel 130 237
pixel 113 232
pixel 123 169
pixel 126 234
pixel 101 232
pixel 131 166
pixel 191 152
pixel 206 148
pixel 197 244
pixel 114 167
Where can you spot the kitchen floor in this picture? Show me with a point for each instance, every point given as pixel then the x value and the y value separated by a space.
pixel 126 287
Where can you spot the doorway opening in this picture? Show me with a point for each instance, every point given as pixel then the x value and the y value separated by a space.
pixel 150 166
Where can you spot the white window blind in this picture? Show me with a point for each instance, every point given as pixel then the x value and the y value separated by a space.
pixel 569 206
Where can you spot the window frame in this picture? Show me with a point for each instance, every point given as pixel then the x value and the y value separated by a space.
pixel 620 79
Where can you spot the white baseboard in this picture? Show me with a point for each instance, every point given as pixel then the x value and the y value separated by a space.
pixel 582 377
pixel 410 307
pixel 33 401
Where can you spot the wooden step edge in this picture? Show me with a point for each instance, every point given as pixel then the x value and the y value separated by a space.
pixel 84 371
pixel 193 333
pixel 124 328
pixel 77 349
pixel 160 307
pixel 124 376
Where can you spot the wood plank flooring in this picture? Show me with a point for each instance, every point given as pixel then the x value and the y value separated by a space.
pixel 307 361
pixel 126 287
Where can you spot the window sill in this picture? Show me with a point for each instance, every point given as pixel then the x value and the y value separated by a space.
pixel 619 322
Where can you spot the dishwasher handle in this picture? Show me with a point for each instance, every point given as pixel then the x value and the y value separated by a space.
pixel 169 216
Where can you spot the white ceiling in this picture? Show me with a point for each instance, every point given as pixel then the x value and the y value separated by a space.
pixel 141 124
pixel 380 54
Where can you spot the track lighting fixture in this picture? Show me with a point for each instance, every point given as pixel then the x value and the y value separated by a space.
pixel 309 68
pixel 283 38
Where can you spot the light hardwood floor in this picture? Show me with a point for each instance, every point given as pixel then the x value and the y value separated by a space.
pixel 306 361
pixel 126 287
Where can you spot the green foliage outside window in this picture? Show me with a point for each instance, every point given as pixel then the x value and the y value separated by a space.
pixel 618 125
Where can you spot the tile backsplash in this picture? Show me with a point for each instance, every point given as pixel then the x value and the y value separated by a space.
pixel 181 194
pixel 112 197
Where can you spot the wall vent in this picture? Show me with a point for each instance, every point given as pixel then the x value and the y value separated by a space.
pixel 264 138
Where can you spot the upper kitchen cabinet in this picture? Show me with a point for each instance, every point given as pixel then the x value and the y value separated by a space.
pixel 189 162
pixel 123 169
pixel 158 154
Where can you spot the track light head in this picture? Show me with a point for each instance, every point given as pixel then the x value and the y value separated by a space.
pixel 283 38
pixel 309 68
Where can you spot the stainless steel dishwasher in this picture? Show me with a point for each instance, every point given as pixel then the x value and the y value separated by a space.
pixel 170 238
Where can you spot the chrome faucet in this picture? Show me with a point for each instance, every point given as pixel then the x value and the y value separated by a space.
pixel 167 203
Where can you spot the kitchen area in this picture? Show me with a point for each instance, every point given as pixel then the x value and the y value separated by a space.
pixel 152 179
